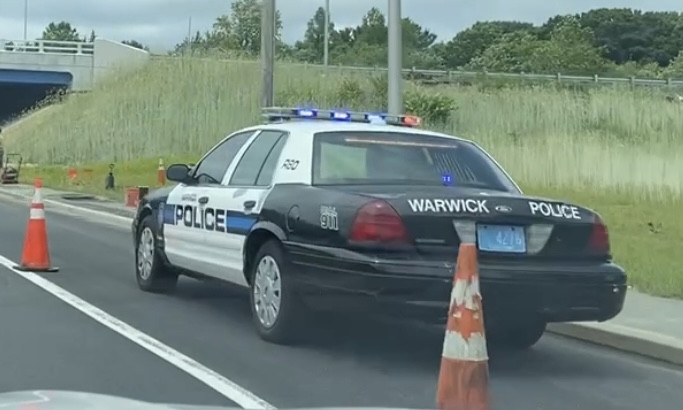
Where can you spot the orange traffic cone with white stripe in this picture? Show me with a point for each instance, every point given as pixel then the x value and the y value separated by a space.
pixel 464 374
pixel 36 255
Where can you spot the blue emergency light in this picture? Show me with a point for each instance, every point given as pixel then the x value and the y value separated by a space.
pixel 278 114
pixel 447 179
pixel 304 113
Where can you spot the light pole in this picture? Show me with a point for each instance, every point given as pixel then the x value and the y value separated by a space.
pixel 267 51
pixel 395 60
pixel 326 57
pixel 25 20
pixel 189 36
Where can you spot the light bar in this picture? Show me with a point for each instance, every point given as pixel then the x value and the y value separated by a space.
pixel 279 114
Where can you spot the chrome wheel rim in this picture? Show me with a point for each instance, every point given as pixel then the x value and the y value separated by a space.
pixel 145 253
pixel 267 291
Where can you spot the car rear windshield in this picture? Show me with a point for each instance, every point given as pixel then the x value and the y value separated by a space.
pixel 394 158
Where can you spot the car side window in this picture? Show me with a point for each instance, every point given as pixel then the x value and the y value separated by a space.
pixel 212 168
pixel 249 167
pixel 265 176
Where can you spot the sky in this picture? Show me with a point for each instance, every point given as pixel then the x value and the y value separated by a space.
pixel 161 24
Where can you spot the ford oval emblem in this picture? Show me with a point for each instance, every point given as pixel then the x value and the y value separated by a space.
pixel 503 208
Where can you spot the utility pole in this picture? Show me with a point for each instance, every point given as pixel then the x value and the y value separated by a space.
pixel 25 20
pixel 267 51
pixel 395 60
pixel 327 33
pixel 189 36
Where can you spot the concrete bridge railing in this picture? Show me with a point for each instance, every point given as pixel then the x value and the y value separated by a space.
pixel 47 46
pixel 88 62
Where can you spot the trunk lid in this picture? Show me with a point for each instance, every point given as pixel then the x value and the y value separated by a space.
pixel 505 226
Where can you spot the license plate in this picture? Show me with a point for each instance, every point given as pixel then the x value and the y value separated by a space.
pixel 501 238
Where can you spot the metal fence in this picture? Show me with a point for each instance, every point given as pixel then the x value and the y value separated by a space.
pixel 459 76
pixel 451 76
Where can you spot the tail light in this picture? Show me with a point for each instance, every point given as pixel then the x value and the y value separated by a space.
pixel 378 221
pixel 599 239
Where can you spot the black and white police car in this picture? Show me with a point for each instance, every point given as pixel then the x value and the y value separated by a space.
pixel 321 209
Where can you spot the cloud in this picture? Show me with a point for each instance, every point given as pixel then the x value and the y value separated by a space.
pixel 163 23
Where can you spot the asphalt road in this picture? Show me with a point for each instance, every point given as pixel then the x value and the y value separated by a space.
pixel 49 345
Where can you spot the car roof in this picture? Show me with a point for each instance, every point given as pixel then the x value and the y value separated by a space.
pixel 314 126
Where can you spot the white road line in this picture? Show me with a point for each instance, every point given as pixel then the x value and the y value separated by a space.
pixel 116 219
pixel 123 220
pixel 212 379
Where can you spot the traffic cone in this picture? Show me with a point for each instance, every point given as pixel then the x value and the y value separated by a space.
pixel 36 255
pixel 464 375
pixel 161 173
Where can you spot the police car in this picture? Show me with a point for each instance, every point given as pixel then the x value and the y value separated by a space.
pixel 364 213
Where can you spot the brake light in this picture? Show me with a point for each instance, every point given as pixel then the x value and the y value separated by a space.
pixel 378 221
pixel 599 239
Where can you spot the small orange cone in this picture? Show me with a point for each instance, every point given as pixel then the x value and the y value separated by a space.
pixel 36 255
pixel 161 173
pixel 464 374
pixel 73 174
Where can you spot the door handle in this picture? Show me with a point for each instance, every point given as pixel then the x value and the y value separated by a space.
pixel 203 200
pixel 249 204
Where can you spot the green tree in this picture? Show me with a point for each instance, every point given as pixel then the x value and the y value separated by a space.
pixel 419 49
pixel 312 47
pixel 675 68
pixel 134 43
pixel 511 53
pixel 242 28
pixel 198 43
pixel 372 30
pixel 472 42
pixel 415 37
pixel 366 44
pixel 236 33
pixel 346 36
pixel 626 34
pixel 61 31
pixel 569 49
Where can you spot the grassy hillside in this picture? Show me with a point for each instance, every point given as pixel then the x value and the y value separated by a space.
pixel 617 150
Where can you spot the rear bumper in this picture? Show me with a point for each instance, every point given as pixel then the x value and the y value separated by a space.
pixel 420 290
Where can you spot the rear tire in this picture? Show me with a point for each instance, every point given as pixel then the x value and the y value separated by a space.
pixel 522 336
pixel 276 309
pixel 151 273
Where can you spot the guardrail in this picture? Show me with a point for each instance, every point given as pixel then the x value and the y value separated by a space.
pixel 449 76
pixel 452 76
pixel 47 47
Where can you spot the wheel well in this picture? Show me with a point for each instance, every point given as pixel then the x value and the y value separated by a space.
pixel 254 242
pixel 143 214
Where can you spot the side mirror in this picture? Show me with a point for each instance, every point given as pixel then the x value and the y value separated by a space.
pixel 178 173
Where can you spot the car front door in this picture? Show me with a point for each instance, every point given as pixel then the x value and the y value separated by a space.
pixel 185 240
pixel 245 188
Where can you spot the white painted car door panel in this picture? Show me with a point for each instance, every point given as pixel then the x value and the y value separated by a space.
pixel 183 243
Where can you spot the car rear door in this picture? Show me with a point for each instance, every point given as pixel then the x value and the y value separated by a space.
pixel 184 241
pixel 242 195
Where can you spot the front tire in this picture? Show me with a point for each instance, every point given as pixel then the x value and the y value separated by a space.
pixel 151 272
pixel 276 309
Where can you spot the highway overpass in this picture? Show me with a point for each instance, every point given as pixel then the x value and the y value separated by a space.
pixel 32 70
